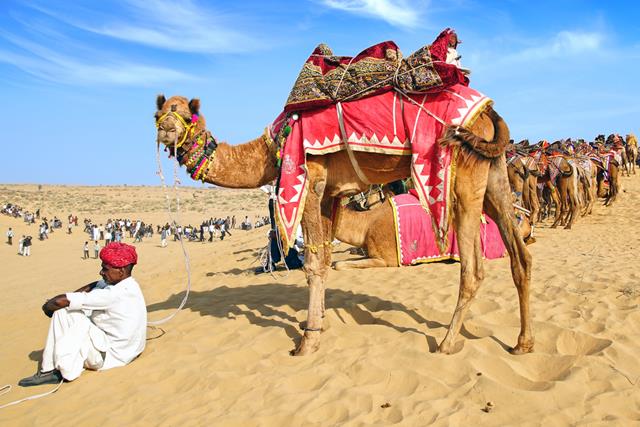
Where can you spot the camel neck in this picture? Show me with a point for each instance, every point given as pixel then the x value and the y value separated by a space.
pixel 248 165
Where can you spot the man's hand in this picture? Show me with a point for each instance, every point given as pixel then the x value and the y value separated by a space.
pixel 47 309
pixel 55 303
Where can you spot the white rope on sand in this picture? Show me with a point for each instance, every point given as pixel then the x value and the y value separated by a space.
pixel 176 181
pixel 7 388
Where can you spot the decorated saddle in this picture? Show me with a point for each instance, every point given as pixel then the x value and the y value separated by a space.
pixel 416 242
pixel 326 78
pixel 387 122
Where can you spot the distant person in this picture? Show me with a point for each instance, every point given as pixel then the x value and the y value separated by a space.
pixel 96 249
pixel 224 230
pixel 85 250
pixel 21 245
pixel 100 326
pixel 26 246
pixel 10 236
pixel 163 238
pixel 211 230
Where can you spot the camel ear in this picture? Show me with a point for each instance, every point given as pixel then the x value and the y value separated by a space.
pixel 160 100
pixel 194 106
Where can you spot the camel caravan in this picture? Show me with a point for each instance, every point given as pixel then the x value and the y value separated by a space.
pixel 353 125
pixel 563 180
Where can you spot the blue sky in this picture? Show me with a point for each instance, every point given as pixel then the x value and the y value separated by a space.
pixel 78 79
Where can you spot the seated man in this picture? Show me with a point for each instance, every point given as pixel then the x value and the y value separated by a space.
pixel 452 53
pixel 295 256
pixel 100 326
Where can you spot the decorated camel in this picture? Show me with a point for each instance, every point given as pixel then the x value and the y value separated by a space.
pixel 388 242
pixel 632 151
pixel 335 163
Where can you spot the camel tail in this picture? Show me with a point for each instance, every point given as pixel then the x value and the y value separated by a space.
pixel 458 136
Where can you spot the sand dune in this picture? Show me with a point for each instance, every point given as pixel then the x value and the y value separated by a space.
pixel 224 359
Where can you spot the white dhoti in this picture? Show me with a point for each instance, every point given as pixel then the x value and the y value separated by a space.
pixel 73 343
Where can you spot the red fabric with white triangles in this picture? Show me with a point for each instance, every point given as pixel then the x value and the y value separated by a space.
pixel 387 123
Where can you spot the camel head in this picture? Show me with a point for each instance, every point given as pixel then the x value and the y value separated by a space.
pixel 177 120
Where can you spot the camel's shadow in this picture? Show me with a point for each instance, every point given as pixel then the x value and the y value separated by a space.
pixel 264 305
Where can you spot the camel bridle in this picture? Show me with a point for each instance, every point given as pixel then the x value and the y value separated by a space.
pixel 188 127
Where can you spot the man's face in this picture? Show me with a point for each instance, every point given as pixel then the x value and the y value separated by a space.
pixel 112 275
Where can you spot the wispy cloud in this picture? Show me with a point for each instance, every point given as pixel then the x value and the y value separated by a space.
pixel 177 25
pixel 562 44
pixel 49 65
pixel 399 13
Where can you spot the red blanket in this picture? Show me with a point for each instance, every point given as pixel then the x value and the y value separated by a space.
pixel 387 123
pixel 416 242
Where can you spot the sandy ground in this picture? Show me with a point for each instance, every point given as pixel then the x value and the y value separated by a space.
pixel 224 359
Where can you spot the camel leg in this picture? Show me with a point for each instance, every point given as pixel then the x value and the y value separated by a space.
pixel 327 229
pixel 499 208
pixel 555 198
pixel 613 185
pixel 361 263
pixel 573 198
pixel 314 263
pixel 470 186
pixel 561 210
pixel 534 201
pixel 592 191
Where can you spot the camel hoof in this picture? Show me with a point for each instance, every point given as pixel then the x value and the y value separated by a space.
pixel 307 345
pixel 568 227
pixel 521 349
pixel 450 347
pixel 443 349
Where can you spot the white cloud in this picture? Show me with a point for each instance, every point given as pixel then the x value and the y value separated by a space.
pixel 177 25
pixel 47 64
pixel 399 13
pixel 563 44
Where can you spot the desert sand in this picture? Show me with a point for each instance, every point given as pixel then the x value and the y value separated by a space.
pixel 223 360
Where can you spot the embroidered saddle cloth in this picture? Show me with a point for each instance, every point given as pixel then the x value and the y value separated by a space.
pixel 387 123
pixel 326 78
pixel 416 242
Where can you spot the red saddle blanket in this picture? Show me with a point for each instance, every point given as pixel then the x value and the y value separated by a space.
pixel 386 123
pixel 416 242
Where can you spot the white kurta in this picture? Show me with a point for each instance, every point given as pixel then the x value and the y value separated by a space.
pixel 101 329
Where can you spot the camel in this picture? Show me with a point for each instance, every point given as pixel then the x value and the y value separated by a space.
pixel 523 178
pixel 618 145
pixel 481 179
pixel 608 182
pixel 567 185
pixel 374 230
pixel 632 151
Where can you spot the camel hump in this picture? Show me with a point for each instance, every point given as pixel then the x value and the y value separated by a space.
pixel 466 138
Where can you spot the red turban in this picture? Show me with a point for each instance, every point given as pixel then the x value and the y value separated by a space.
pixel 118 255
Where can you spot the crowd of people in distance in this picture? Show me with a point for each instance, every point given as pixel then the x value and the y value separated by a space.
pixel 15 211
pixel 100 235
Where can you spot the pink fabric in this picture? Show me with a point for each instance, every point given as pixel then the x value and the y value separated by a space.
pixel 387 123
pixel 416 241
